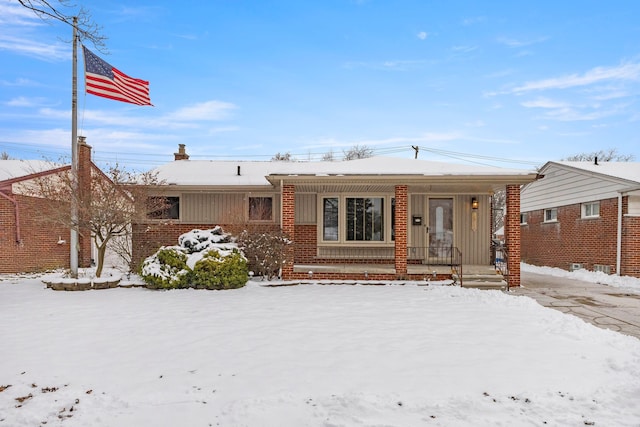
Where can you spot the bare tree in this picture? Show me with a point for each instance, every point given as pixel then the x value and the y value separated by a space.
pixel 284 157
pixel 358 152
pixel 328 156
pixel 87 29
pixel 5 156
pixel 608 155
pixel 498 203
pixel 107 206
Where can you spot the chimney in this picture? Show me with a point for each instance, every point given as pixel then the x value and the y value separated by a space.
pixel 238 170
pixel 84 164
pixel 181 154
pixel 595 161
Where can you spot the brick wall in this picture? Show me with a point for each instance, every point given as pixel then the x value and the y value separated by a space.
pixel 573 239
pixel 38 249
pixel 630 259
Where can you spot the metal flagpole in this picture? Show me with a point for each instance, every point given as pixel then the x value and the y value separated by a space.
pixel 73 245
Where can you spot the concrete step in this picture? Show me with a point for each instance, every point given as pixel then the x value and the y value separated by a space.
pixel 484 281
pixel 501 286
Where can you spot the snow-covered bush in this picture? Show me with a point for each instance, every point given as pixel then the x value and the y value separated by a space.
pixel 207 259
pixel 266 251
pixel 215 271
pixel 166 269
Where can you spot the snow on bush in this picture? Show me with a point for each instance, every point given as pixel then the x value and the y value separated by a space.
pixel 205 259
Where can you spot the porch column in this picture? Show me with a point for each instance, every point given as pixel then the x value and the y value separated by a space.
pixel 512 234
pixel 401 230
pixel 288 226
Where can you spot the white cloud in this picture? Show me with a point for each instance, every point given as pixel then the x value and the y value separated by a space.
pixel 544 103
pixel 209 110
pixel 23 101
pixel 623 72
pixel 422 35
pixel 515 43
pixel 29 47
pixel 474 20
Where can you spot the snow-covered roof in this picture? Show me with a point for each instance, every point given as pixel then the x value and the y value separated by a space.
pixel 623 170
pixel 250 173
pixel 10 169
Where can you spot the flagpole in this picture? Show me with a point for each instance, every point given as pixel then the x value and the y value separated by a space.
pixel 73 245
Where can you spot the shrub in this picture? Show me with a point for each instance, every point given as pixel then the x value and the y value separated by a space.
pixel 266 251
pixel 214 271
pixel 166 269
pixel 205 259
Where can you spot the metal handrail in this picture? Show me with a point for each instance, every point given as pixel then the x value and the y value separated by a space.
pixel 500 259
pixel 449 256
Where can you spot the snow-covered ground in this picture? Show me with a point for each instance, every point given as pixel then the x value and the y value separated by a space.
pixel 307 355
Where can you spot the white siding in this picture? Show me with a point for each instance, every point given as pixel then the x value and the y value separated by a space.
pixel 563 186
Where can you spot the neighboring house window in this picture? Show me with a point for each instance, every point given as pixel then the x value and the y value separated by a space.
pixel 523 218
pixel 591 210
pixel 260 208
pixel 330 219
pixel 551 215
pixel 365 219
pixel 163 208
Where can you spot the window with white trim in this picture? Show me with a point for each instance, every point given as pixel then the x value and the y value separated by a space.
pixel 551 215
pixel 591 210
pixel 523 218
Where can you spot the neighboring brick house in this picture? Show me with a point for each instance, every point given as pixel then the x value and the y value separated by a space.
pixel 26 243
pixel 583 215
pixel 378 218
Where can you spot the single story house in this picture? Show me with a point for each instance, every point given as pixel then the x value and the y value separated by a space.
pixel 26 243
pixel 583 215
pixel 377 218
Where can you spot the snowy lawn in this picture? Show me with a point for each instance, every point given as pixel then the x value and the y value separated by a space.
pixel 308 355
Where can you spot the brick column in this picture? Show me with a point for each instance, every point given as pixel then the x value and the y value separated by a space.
pixel 401 230
pixel 288 226
pixel 512 233
pixel 84 190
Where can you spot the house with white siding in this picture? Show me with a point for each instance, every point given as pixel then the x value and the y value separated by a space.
pixel 375 218
pixel 583 215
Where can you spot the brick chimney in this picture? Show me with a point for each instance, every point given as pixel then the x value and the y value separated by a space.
pixel 181 154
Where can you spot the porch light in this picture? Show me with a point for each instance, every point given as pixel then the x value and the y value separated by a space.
pixel 474 203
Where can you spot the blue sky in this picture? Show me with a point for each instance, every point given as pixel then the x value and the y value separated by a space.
pixel 503 83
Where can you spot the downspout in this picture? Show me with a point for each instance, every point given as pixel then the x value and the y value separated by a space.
pixel 619 236
pixel 17 213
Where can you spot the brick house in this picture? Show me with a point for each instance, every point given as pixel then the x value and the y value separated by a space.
pixel 377 218
pixel 26 243
pixel 583 215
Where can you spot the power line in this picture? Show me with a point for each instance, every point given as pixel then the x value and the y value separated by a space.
pixel 156 159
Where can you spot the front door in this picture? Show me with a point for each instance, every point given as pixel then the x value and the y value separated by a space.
pixel 440 229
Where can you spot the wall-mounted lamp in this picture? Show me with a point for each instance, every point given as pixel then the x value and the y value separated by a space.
pixel 474 203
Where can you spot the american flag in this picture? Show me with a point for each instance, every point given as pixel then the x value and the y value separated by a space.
pixel 101 79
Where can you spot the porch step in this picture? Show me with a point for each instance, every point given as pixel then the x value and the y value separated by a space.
pixel 484 281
